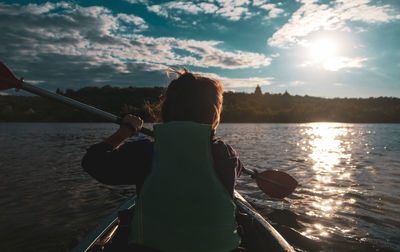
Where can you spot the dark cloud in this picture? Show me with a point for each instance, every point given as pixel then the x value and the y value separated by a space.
pixel 64 45
pixel 92 46
pixel 45 49
pixel 54 71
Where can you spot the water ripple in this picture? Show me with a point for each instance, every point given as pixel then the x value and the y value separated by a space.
pixel 348 198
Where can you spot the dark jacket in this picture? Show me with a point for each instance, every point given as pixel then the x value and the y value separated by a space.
pixel 131 163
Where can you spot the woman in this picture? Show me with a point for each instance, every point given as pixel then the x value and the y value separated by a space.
pixel 185 161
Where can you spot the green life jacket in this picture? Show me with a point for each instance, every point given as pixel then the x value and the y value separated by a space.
pixel 183 206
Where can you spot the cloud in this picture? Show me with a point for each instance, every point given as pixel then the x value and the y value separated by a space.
pixel 199 53
pixel 175 7
pixel 208 7
pixel 273 13
pixel 159 10
pixel 132 19
pixel 78 46
pixel 273 10
pixel 313 17
pixel 234 13
pixel 137 1
pixel 232 10
pixel 259 2
pixel 338 84
pixel 34 8
pixel 296 83
pixel 240 82
pixel 337 63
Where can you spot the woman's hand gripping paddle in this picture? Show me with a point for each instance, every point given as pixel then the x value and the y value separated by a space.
pixel 274 183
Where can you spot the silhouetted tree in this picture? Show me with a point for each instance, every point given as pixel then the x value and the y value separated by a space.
pixel 257 91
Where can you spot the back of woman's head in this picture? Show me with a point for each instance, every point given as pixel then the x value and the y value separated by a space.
pixel 192 97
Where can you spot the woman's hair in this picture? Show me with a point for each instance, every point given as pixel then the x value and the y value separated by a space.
pixel 192 97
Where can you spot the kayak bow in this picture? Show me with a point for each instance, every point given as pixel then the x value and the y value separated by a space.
pixel 257 234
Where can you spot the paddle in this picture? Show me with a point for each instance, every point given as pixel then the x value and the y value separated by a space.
pixel 8 81
pixel 274 183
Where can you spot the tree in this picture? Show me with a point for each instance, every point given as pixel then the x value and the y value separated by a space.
pixel 58 91
pixel 258 92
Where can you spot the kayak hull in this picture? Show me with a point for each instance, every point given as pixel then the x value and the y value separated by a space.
pixel 256 233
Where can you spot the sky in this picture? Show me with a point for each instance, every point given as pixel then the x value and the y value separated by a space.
pixel 342 48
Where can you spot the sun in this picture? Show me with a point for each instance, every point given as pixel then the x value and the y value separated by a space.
pixel 323 50
pixel 325 53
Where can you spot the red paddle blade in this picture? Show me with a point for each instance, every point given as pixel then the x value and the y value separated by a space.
pixel 7 78
pixel 276 184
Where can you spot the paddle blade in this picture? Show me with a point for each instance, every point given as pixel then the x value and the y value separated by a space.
pixel 7 78
pixel 276 184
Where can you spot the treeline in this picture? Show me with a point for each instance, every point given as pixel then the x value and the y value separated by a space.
pixel 238 107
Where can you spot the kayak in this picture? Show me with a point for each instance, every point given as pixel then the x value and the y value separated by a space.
pixel 256 232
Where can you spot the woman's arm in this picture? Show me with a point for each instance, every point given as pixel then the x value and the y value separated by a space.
pixel 111 163
pixel 124 131
pixel 226 164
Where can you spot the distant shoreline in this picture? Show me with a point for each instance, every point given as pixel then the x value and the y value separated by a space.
pixel 237 107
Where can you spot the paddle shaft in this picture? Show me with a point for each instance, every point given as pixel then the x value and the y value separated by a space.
pixel 107 116
pixel 249 172
pixel 78 105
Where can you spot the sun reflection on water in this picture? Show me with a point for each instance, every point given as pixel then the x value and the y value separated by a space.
pixel 328 153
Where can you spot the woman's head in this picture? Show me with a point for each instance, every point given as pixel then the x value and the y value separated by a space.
pixel 192 97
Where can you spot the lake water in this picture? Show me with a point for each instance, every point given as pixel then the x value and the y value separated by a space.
pixel 348 198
